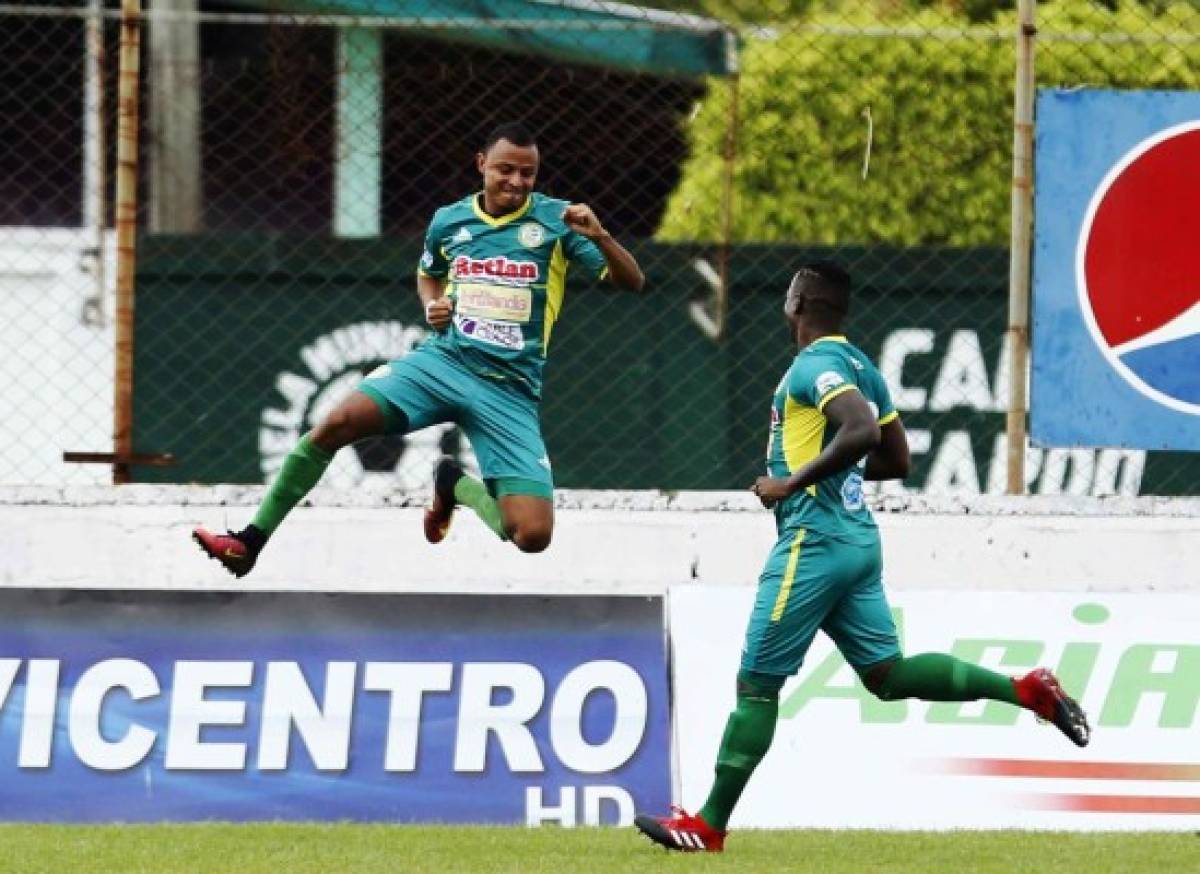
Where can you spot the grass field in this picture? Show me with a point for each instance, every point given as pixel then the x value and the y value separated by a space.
pixel 334 848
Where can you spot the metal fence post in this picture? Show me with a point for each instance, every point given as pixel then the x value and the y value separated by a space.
pixel 127 159
pixel 1021 243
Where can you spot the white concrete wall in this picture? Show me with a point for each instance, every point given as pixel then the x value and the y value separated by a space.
pixel 56 355
pixel 138 537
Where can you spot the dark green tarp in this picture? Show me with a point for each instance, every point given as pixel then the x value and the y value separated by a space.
pixel 242 341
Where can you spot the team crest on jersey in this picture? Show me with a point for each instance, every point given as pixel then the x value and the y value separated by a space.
pixel 498 269
pixel 531 235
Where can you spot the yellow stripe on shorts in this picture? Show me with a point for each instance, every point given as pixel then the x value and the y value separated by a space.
pixel 788 575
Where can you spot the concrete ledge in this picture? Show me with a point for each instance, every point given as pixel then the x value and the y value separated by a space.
pixel 589 499
pixel 137 537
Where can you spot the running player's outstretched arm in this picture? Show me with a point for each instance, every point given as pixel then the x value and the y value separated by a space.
pixel 857 434
pixel 890 459
pixel 623 269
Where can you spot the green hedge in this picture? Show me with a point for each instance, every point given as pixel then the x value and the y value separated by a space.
pixel 940 166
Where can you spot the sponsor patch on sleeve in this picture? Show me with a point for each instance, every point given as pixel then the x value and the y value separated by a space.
pixel 828 381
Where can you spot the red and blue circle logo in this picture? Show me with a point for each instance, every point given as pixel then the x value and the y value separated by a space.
pixel 1137 267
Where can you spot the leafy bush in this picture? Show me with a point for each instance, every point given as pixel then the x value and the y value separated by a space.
pixel 940 95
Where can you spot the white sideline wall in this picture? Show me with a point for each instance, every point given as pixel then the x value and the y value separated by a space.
pixel 137 536
pixel 57 332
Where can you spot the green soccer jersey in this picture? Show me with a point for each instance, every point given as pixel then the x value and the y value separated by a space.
pixel 823 370
pixel 506 277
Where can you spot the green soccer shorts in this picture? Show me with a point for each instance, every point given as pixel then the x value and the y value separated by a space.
pixel 813 581
pixel 429 386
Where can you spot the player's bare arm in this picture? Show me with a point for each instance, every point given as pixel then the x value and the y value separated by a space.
pixel 890 459
pixel 857 434
pixel 623 269
pixel 438 307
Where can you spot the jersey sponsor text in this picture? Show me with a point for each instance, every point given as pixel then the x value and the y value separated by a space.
pixel 483 300
pixel 503 334
pixel 498 269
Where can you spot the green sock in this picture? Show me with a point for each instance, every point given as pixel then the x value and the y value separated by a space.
pixel 934 676
pixel 301 470
pixel 747 738
pixel 472 493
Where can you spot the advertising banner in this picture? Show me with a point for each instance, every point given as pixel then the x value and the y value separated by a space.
pixel 1116 329
pixel 843 759
pixel 157 706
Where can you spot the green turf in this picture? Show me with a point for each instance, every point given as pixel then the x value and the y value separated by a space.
pixel 334 848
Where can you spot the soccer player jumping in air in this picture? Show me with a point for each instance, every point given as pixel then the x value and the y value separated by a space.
pixel 492 279
pixel 833 425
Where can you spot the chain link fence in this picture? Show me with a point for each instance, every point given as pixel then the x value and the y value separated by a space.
pixel 291 156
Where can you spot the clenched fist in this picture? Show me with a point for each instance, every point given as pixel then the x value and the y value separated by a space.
pixel 770 490
pixel 580 218
pixel 438 312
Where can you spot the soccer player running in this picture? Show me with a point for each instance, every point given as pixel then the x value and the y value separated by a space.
pixel 492 279
pixel 832 426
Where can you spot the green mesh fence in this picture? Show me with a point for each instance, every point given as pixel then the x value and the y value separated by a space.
pixel 292 155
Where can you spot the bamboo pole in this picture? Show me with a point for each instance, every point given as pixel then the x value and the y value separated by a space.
pixel 1021 241
pixel 126 221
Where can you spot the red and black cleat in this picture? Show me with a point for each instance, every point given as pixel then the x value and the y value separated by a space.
pixel 1040 692
pixel 446 475
pixel 681 831
pixel 231 552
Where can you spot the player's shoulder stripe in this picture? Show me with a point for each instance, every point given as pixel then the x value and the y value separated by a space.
pixel 820 357
pixel 857 359
pixel 548 211
pixel 841 389
pixel 451 212
pixel 810 351
pixel 545 201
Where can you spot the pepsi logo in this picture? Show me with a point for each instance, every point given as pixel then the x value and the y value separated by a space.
pixel 1137 267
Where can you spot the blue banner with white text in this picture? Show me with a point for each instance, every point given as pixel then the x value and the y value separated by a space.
pixel 182 706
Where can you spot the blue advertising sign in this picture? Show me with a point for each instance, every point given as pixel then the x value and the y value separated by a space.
pixel 1116 290
pixel 155 706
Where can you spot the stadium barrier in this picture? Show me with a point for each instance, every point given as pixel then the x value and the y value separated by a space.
pixel 361 674
pixel 155 706
pixel 843 759
pixel 137 537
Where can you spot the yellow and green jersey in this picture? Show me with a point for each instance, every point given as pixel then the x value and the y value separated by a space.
pixel 824 369
pixel 506 277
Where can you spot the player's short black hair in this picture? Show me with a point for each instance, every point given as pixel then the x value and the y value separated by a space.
pixel 820 288
pixel 830 275
pixel 514 131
